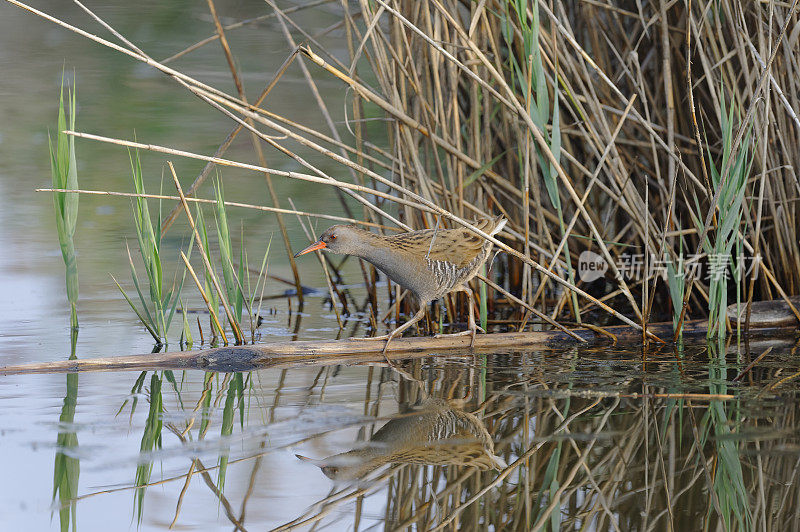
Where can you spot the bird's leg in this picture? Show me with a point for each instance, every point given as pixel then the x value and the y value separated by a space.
pixel 418 316
pixel 398 331
pixel 472 327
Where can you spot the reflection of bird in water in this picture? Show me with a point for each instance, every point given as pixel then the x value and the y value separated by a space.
pixel 434 433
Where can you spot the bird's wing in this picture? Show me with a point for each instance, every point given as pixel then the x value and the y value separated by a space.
pixel 457 246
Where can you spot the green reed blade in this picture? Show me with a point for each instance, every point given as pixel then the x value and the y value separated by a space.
pixel 175 298
pixel 482 170
pixel 226 253
pixel 211 293
pixel 730 208
pixel 187 332
pixel 64 175
pixel 676 283
pixel 144 320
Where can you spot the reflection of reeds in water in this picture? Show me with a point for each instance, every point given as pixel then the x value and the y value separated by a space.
pixel 232 386
pixel 151 440
pixel 596 441
pixel 67 466
pixel 233 399
pixel 433 433
pixel 722 423
pixel 655 462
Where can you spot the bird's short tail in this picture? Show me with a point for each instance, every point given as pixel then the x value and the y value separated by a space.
pixel 497 462
pixel 496 225
pixel 490 225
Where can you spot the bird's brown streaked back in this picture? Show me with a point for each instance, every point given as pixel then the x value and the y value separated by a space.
pixel 459 246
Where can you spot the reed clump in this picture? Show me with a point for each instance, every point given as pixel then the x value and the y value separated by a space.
pixel 158 302
pixel 591 126
pixel 156 311
pixel 605 126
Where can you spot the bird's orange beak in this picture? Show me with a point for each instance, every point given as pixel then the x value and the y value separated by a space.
pixel 319 244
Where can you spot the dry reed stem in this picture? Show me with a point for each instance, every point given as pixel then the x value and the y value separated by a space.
pixel 521 303
pixel 228 141
pixel 545 149
pixel 226 203
pixel 323 262
pixel 256 144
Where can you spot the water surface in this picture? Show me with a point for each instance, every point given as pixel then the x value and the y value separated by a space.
pixel 627 454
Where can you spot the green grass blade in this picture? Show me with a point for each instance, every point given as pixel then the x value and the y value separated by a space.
pixel 142 318
pixel 482 170
pixel 64 175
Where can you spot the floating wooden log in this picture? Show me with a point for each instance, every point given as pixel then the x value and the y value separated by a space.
pixel 356 351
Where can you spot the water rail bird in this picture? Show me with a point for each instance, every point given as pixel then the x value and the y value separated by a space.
pixel 429 263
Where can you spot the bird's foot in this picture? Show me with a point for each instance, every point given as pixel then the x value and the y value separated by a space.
pixel 471 332
pixel 445 335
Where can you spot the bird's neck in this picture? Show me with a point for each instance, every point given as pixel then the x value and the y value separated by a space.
pixel 378 253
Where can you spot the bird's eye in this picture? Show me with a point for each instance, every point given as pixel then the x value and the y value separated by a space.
pixel 333 237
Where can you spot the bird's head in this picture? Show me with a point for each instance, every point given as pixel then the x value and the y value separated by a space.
pixel 342 239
